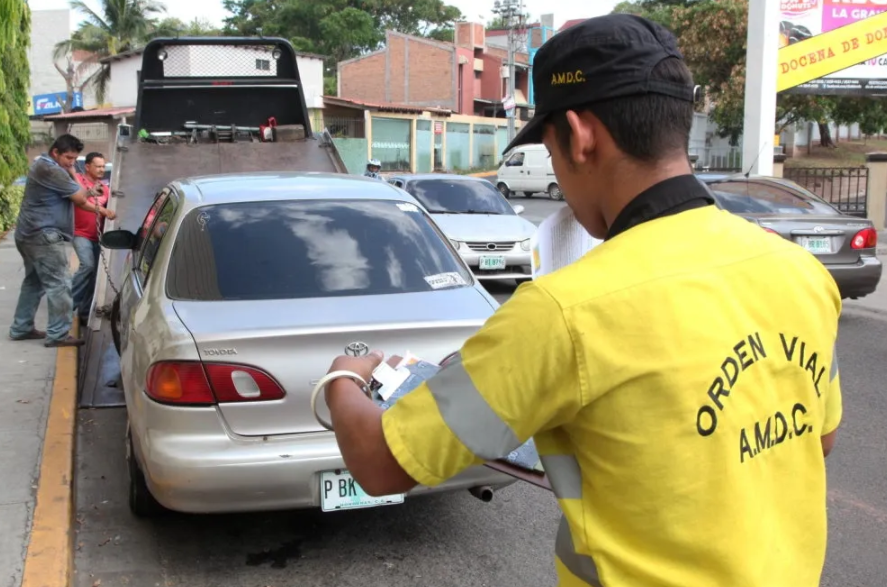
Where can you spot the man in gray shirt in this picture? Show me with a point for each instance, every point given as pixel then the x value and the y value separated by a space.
pixel 45 224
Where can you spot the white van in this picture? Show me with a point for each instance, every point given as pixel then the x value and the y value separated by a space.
pixel 527 169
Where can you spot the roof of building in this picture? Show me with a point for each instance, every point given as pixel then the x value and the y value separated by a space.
pixel 571 22
pixel 97 114
pixel 140 50
pixel 384 106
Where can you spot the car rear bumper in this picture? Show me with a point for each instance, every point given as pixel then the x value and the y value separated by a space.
pixel 204 472
pixel 517 264
pixel 859 279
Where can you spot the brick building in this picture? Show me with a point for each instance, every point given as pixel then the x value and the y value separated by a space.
pixel 467 76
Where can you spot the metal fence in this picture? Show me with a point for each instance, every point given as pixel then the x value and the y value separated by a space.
pixel 342 128
pixel 727 159
pixel 845 188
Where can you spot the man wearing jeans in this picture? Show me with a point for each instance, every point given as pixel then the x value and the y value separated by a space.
pixel 45 224
pixel 86 234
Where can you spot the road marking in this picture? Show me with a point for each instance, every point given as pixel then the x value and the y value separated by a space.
pixel 49 560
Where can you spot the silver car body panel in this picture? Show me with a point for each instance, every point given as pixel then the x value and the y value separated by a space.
pixel 267 455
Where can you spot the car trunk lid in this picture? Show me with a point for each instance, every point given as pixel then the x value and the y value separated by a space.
pixel 295 341
pixel 827 237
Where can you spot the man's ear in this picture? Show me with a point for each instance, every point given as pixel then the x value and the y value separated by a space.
pixel 583 138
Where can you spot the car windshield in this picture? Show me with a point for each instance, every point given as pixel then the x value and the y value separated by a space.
pixel 309 249
pixel 752 197
pixel 459 196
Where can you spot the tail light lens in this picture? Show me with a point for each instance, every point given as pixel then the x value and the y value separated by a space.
pixel 239 383
pixel 867 238
pixel 770 230
pixel 182 383
pixel 191 383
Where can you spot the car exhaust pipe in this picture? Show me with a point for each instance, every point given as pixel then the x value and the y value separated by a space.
pixel 483 493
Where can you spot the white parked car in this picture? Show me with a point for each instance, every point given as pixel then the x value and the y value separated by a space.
pixel 527 169
pixel 239 290
pixel 488 233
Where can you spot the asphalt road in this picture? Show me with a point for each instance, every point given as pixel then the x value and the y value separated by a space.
pixel 450 540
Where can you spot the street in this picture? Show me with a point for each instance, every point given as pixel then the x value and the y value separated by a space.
pixel 452 539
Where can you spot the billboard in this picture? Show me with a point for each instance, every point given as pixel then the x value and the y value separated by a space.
pixel 803 19
pixel 52 103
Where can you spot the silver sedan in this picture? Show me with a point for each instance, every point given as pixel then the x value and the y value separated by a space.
pixel 487 232
pixel 238 292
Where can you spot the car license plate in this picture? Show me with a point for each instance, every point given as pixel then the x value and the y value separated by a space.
pixel 339 491
pixel 491 263
pixel 821 245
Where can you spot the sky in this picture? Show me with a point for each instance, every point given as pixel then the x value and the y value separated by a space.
pixel 471 9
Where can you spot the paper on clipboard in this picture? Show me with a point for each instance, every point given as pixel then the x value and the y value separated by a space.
pixel 559 241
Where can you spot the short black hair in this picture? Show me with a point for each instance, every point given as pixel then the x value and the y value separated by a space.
pixel 93 155
pixel 66 144
pixel 649 127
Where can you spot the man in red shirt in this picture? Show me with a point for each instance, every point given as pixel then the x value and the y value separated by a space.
pixel 86 234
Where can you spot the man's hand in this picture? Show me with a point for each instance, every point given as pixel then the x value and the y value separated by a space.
pixel 358 428
pixel 109 214
pixel 363 366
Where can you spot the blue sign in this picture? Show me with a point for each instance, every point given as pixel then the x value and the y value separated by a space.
pixel 52 103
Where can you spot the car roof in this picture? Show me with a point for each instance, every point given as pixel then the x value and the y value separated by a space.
pixel 441 176
pixel 263 186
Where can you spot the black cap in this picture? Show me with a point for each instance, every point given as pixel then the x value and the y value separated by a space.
pixel 599 59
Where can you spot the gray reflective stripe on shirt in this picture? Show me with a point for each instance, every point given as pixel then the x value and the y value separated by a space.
pixel 468 415
pixel 580 565
pixel 564 475
pixel 834 371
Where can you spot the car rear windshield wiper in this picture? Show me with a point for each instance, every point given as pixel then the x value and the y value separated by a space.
pixel 491 212
pixel 441 211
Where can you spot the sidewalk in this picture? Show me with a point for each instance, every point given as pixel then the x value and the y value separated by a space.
pixel 26 388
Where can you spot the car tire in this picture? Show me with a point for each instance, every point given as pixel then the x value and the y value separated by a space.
pixel 503 189
pixel 555 193
pixel 115 320
pixel 141 503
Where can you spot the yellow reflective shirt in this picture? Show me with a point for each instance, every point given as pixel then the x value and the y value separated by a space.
pixel 677 380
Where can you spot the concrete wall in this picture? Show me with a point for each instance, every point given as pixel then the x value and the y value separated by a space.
pixel 311 72
pixel 48 27
pixel 124 85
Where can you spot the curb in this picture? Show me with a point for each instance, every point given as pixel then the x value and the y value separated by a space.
pixel 482 174
pixel 49 560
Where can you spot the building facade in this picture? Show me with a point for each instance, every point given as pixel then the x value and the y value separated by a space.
pixel 467 77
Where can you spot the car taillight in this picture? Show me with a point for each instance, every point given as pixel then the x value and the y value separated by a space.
pixel 239 383
pixel 867 238
pixel 179 382
pixel 192 383
pixel 770 230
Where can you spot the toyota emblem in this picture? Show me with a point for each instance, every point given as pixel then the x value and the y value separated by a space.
pixel 357 349
pixel 491 247
pixel 818 229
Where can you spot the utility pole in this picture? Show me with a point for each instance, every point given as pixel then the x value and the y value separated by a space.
pixel 759 123
pixel 511 11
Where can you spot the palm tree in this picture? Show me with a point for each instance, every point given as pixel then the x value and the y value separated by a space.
pixel 120 25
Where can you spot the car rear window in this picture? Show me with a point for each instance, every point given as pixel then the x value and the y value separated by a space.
pixel 309 249
pixel 459 196
pixel 741 197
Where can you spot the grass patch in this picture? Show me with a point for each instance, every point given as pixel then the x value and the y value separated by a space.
pixel 846 154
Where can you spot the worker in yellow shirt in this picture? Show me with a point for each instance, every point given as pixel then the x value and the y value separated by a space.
pixel 680 380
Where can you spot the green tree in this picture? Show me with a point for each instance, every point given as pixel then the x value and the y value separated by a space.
pixel 15 36
pixel 119 26
pixel 175 27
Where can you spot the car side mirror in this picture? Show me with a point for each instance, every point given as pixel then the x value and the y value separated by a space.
pixel 119 239
pixel 519 209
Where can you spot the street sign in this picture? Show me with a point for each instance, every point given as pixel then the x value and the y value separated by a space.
pixel 836 50
pixel 52 103
pixel 508 103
